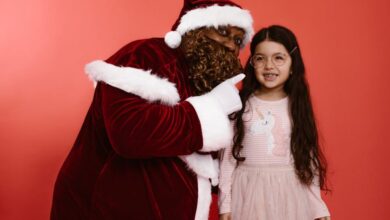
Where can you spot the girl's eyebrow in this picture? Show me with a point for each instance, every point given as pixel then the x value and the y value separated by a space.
pixel 277 53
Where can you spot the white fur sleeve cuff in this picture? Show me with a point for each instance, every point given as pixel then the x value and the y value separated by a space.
pixel 216 128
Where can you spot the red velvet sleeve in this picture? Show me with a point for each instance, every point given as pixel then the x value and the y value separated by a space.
pixel 139 129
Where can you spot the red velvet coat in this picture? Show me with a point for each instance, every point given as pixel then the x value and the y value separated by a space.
pixel 124 163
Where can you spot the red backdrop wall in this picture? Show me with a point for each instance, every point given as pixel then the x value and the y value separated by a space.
pixel 44 94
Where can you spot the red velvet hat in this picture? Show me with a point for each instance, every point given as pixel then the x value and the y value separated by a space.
pixel 209 13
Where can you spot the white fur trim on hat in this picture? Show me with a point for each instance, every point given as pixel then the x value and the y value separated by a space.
pixel 173 39
pixel 136 81
pixel 214 16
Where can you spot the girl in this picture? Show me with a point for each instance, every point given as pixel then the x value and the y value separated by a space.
pixel 275 169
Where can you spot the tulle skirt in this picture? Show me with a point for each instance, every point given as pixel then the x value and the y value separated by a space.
pixel 269 192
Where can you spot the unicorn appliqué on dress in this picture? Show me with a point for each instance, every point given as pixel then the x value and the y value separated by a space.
pixel 270 125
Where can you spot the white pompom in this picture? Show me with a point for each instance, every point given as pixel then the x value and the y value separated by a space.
pixel 173 39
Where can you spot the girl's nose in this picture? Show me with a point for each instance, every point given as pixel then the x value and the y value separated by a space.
pixel 268 64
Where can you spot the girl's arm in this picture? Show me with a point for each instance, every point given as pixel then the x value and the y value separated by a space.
pixel 227 166
pixel 319 206
pixel 225 216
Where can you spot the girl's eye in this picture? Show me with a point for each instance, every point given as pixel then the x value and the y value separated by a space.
pixel 259 58
pixel 279 57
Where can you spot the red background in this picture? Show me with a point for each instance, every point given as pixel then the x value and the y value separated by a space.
pixel 44 94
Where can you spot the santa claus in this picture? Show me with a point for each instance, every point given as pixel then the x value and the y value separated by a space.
pixel 159 106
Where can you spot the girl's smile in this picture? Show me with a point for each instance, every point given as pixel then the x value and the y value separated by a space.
pixel 268 76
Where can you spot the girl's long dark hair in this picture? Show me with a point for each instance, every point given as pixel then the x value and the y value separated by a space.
pixel 308 157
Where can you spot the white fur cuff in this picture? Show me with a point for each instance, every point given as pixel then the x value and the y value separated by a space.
pixel 139 82
pixel 216 129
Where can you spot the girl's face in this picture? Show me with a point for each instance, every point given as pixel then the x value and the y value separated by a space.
pixel 272 64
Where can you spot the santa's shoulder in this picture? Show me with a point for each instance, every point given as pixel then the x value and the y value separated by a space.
pixel 144 53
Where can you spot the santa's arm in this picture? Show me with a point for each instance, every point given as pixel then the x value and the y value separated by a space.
pixel 145 117
pixel 140 126
pixel 140 129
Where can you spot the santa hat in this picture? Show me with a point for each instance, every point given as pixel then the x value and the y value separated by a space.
pixel 209 13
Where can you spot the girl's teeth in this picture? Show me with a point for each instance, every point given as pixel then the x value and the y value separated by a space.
pixel 270 76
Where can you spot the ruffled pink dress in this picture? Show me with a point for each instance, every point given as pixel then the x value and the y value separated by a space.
pixel 265 186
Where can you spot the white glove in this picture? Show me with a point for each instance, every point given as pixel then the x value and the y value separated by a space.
pixel 226 94
pixel 213 108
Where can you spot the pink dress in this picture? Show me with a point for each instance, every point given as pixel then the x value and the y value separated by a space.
pixel 265 186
